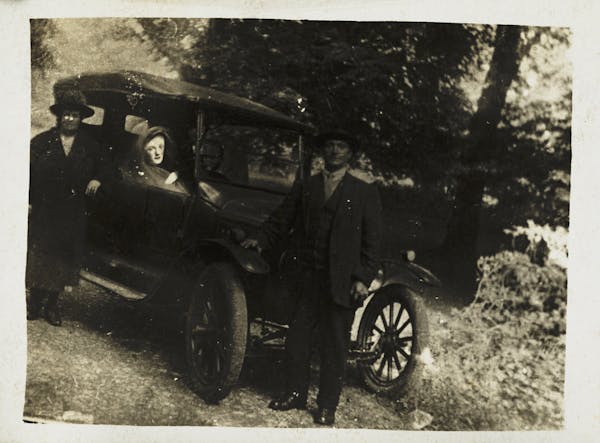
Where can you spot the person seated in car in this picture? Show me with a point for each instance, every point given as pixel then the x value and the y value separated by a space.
pixel 149 166
pixel 211 160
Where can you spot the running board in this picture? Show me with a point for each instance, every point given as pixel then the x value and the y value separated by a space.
pixel 111 285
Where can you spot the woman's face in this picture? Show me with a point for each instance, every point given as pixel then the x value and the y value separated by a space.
pixel 155 150
pixel 70 119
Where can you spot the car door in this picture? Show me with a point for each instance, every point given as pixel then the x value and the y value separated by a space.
pixel 116 237
pixel 164 217
pixel 136 233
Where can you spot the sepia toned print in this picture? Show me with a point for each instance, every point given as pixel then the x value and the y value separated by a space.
pixel 298 223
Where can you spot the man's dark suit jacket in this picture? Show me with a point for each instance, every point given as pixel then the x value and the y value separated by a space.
pixel 354 237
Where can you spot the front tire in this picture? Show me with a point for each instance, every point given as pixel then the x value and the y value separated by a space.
pixel 216 331
pixel 394 331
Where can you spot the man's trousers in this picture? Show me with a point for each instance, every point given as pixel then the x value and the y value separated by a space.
pixel 315 311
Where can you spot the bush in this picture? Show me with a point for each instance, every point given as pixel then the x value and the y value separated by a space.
pixel 499 363
pixel 551 241
pixel 512 288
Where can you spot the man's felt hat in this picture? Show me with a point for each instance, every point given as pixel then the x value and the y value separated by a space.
pixel 337 134
pixel 73 100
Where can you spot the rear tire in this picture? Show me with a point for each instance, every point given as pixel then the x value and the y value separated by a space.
pixel 394 327
pixel 216 331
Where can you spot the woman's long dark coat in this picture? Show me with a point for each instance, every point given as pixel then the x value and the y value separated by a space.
pixel 57 198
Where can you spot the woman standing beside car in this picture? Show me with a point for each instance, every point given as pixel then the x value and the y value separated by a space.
pixel 64 167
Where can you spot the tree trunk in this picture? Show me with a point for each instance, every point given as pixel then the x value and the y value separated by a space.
pixel 460 245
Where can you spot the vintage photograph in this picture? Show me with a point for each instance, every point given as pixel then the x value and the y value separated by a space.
pixel 298 223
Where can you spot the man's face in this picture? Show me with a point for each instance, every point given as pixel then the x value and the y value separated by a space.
pixel 155 150
pixel 337 154
pixel 70 120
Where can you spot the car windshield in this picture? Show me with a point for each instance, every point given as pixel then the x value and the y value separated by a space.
pixel 255 157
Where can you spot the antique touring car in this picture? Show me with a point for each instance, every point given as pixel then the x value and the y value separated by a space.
pixel 181 247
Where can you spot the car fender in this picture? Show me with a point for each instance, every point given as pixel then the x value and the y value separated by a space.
pixel 401 279
pixel 411 275
pixel 407 275
pixel 248 259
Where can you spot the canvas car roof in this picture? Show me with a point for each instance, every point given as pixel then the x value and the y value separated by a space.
pixel 145 93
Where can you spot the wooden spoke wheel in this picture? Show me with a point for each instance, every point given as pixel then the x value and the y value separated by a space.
pixel 393 331
pixel 216 331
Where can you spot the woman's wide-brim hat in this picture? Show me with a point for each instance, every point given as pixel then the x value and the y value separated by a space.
pixel 73 100
pixel 337 134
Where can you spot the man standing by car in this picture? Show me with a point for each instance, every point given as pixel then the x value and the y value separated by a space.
pixel 335 221
pixel 64 166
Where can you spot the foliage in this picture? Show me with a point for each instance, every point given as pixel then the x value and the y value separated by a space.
pixel 394 85
pixel 533 152
pixel 464 223
pixel 499 363
pixel 513 286
pixel 42 57
pixel 555 240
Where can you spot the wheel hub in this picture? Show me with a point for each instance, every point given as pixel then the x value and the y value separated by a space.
pixel 388 343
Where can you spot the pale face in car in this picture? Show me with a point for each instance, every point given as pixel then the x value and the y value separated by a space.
pixel 212 156
pixel 155 150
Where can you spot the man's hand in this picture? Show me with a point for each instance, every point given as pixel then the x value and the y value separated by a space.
pixel 251 243
pixel 92 187
pixel 359 292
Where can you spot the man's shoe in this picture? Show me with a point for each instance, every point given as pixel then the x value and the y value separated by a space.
pixel 52 315
pixel 325 416
pixel 293 400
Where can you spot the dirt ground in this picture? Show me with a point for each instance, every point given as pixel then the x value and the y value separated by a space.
pixel 112 364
